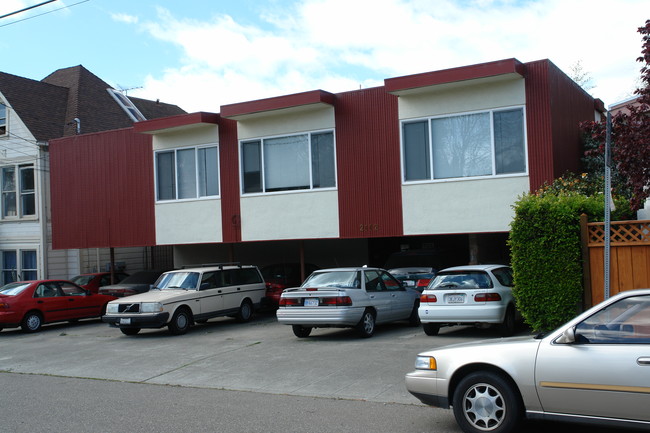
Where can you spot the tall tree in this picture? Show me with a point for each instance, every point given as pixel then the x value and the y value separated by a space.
pixel 631 133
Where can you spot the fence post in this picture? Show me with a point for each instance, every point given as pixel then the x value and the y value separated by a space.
pixel 587 298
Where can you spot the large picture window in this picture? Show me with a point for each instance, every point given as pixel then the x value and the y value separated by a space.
pixel 187 173
pixel 294 162
pixel 488 143
pixel 18 191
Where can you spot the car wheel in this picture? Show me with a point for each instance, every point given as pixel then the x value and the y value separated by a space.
pixel 507 328
pixel 180 323
pixel 366 325
pixel 245 312
pixel 414 318
pixel 130 331
pixel 487 402
pixel 301 331
pixel 431 329
pixel 32 321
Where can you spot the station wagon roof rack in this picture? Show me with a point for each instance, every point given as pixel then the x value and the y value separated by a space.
pixel 207 265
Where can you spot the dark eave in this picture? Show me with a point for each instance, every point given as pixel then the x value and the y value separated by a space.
pixel 295 102
pixel 400 85
pixel 175 123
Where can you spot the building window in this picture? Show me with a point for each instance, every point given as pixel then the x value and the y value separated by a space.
pixel 18 193
pixel 490 143
pixel 18 270
pixel 187 173
pixel 294 162
pixel 3 119
pixel 129 108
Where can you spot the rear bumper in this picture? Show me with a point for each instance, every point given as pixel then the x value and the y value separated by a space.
pixel 137 320
pixel 484 313
pixel 320 317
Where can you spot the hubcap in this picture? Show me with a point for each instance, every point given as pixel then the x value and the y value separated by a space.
pixel 484 407
pixel 33 322
pixel 368 323
pixel 181 321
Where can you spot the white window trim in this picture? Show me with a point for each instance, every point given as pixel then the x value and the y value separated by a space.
pixel 126 106
pixel 19 194
pixel 196 173
pixel 6 119
pixel 290 191
pixel 19 249
pixel 428 119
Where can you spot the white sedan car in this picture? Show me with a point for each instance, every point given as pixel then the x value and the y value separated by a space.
pixel 594 369
pixel 469 295
pixel 347 297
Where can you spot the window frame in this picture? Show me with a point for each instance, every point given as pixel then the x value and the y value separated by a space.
pixel 4 119
pixel 493 145
pixel 18 192
pixel 197 173
pixel 20 269
pixel 310 163
pixel 127 105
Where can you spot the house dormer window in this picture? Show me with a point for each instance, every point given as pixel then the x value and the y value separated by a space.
pixel 127 105
pixel 3 118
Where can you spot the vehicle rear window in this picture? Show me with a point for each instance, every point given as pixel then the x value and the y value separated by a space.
pixel 82 279
pixel 463 280
pixel 12 289
pixel 338 279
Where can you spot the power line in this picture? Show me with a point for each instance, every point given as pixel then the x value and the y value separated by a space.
pixel 26 9
pixel 44 13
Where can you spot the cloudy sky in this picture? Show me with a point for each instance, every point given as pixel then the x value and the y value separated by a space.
pixel 201 54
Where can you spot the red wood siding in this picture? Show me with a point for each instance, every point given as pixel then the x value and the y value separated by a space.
pixel 229 170
pixel 368 164
pixel 555 106
pixel 102 192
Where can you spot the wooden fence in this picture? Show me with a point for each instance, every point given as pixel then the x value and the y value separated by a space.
pixel 629 258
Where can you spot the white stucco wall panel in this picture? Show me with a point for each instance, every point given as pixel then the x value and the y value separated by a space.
pixel 204 134
pixel 188 222
pixel 306 215
pixel 471 97
pixel 468 206
pixel 281 124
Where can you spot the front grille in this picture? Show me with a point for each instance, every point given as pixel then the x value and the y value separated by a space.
pixel 129 308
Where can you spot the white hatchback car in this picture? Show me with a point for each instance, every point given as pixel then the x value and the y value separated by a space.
pixel 469 295
pixel 183 297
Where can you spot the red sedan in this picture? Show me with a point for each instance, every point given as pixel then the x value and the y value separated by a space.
pixel 96 280
pixel 30 304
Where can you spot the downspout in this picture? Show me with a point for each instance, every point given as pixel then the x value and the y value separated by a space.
pixel 40 168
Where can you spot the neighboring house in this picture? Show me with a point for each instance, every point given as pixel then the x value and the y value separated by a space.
pixel 432 161
pixel 67 102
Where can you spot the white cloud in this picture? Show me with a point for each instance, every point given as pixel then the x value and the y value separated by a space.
pixel 337 45
pixel 125 18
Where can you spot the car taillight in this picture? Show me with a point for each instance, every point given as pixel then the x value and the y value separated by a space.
pixel 423 282
pixel 289 301
pixel 487 297
pixel 339 301
pixel 428 298
pixel 4 306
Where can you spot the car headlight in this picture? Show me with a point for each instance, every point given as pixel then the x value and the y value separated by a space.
pixel 112 308
pixel 151 307
pixel 426 363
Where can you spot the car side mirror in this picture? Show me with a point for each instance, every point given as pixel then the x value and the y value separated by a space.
pixel 567 337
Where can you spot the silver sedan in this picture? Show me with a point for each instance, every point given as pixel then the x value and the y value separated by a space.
pixel 347 297
pixel 594 369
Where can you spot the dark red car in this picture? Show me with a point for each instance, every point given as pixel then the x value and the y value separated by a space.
pixel 94 281
pixel 283 276
pixel 30 304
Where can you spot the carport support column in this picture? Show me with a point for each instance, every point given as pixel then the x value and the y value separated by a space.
pixel 473 249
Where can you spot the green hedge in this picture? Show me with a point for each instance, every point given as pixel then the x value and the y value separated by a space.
pixel 546 254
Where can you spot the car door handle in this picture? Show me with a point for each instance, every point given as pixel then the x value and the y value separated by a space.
pixel 218 291
pixel 644 360
pixel 71 299
pixel 238 288
pixel 40 302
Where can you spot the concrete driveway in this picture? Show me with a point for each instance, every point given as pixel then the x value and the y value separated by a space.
pixel 259 356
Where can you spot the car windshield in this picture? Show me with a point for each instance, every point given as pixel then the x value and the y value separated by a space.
pixel 178 280
pixel 82 279
pixel 12 289
pixel 340 279
pixel 462 280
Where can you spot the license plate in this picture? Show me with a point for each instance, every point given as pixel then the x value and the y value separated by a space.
pixel 455 299
pixel 125 321
pixel 311 302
